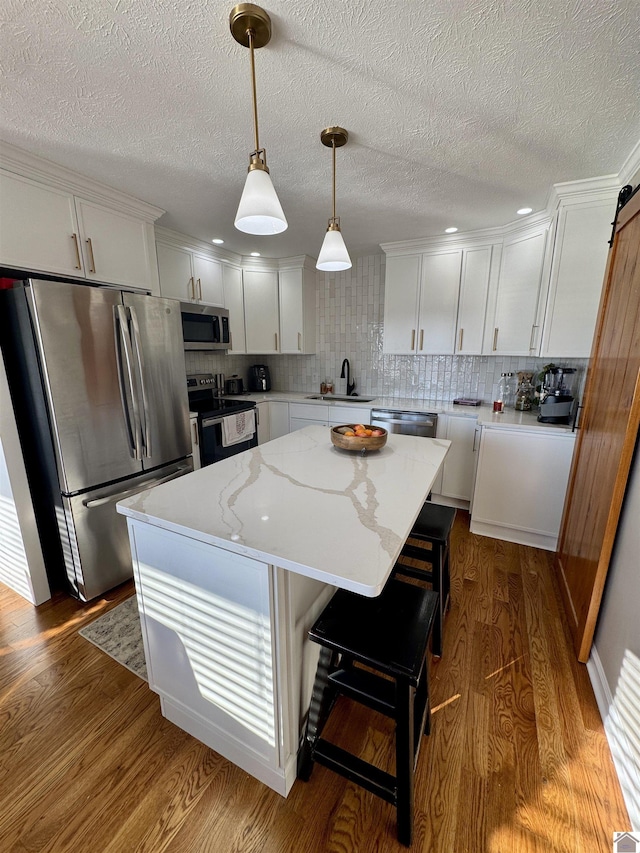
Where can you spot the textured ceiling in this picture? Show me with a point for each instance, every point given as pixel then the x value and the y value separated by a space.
pixel 459 111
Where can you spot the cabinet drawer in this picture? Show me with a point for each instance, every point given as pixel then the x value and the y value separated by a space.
pixel 309 411
pixel 349 415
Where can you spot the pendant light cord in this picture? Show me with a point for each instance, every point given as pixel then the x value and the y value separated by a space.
pixel 250 35
pixel 333 146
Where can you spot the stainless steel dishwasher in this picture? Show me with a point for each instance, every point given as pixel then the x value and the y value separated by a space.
pixel 422 424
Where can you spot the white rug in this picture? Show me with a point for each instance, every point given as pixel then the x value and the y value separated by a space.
pixel 118 634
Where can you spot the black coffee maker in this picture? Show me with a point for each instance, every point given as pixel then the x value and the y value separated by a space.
pixel 259 379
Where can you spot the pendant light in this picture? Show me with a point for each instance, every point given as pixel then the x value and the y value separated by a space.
pixel 333 254
pixel 259 211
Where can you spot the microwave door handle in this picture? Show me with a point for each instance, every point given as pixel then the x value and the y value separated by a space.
pixel 146 420
pixel 123 345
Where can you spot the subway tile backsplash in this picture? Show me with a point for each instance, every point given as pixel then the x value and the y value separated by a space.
pixel 350 308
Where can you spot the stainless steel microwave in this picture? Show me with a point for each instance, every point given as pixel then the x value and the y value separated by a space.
pixel 204 327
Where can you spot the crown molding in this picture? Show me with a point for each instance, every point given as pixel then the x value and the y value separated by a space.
pixel 193 244
pixel 297 262
pixel 631 167
pixel 14 159
pixel 603 188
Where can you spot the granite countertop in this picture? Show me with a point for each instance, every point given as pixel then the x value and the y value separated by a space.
pixel 484 413
pixel 302 504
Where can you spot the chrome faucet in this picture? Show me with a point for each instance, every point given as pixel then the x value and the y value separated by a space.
pixel 350 385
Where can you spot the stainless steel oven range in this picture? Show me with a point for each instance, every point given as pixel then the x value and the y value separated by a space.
pixel 219 440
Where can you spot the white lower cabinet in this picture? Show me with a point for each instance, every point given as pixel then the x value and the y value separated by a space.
pixel 263 419
pixel 520 485
pixel 455 486
pixel 305 414
pixel 278 419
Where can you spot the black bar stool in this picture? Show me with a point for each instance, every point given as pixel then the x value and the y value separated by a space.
pixel 433 527
pixel 390 635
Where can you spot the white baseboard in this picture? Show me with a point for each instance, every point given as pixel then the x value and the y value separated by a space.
pixel 627 770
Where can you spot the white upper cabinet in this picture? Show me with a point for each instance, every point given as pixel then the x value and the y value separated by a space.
pixel 401 290
pixel 297 302
pixel 48 229
pixel 234 302
pixel 438 308
pixel 472 306
pixel 261 313
pixel 577 275
pixel 189 276
pixel 55 221
pixel 512 325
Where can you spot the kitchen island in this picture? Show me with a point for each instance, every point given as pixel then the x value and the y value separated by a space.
pixel 234 562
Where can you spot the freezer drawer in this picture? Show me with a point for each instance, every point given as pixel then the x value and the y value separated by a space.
pixel 94 536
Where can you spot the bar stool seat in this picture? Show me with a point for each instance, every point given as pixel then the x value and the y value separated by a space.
pixel 390 635
pixel 432 527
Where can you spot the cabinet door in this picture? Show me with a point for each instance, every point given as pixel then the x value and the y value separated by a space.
pixel 234 302
pixel 474 288
pixel 291 311
pixel 577 273
pixel 278 419
pixel 439 303
pixel 299 423
pixel 519 284
pixel 264 430
pixel 38 227
pixel 521 484
pixel 261 310
pixel 459 463
pixel 175 272
pixel 115 245
pixel 207 273
pixel 402 283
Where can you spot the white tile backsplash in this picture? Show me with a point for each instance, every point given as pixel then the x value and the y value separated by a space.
pixel 350 307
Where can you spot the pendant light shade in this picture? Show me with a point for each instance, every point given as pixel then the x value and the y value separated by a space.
pixel 333 255
pixel 259 211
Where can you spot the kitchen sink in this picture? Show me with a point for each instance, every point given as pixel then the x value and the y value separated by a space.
pixel 341 398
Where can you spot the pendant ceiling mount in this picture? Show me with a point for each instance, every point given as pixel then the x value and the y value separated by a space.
pixel 246 18
pixel 331 136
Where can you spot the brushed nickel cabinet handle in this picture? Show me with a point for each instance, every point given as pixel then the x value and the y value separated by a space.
pixel 461 336
pixel 192 287
pixel 413 339
pixel 92 267
pixel 200 290
pixel 299 340
pixel 495 339
pixel 421 338
pixel 533 332
pixel 195 433
pixel 74 237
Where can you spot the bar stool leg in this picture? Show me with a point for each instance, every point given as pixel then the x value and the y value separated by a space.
pixel 322 698
pixel 405 758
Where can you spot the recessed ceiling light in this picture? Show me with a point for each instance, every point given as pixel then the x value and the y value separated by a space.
pixel 255 254
pixel 217 241
pixel 524 210
pixel 450 230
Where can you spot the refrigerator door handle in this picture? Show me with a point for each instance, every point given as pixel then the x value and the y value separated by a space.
pixel 146 416
pixel 149 484
pixel 123 344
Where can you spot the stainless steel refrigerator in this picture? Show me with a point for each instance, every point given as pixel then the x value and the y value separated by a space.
pixel 97 379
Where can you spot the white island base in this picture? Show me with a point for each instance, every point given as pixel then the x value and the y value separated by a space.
pixel 233 564
pixel 242 688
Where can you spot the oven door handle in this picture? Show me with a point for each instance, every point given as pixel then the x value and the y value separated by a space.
pixel 207 422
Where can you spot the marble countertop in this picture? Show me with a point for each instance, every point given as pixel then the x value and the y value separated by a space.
pixel 302 504
pixel 484 413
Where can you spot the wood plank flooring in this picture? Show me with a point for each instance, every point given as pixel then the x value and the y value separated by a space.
pixel 517 759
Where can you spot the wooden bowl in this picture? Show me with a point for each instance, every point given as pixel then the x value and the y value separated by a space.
pixel 357 442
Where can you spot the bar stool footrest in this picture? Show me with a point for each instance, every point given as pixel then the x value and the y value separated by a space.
pixel 356 770
pixel 367 688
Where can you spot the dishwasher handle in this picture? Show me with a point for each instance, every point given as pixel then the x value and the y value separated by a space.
pixel 412 422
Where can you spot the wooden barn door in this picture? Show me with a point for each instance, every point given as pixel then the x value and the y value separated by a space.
pixel 607 436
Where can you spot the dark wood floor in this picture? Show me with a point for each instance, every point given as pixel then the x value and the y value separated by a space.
pixel 517 760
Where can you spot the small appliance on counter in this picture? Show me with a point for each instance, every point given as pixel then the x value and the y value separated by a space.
pixel 234 385
pixel 259 379
pixel 556 401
